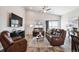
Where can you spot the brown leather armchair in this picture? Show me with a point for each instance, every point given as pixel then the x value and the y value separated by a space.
pixel 56 37
pixel 75 43
pixel 19 45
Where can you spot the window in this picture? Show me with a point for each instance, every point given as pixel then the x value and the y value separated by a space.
pixel 54 24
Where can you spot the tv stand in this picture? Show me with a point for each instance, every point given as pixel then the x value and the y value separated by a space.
pixel 18 33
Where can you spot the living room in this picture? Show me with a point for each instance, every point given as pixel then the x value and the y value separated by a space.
pixel 41 19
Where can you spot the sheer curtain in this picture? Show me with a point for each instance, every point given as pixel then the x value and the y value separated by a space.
pixel 53 24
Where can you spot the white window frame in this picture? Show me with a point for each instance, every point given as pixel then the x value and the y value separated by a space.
pixel 52 26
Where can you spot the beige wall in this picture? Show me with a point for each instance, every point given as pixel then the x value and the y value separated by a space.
pixel 31 16
pixel 4 15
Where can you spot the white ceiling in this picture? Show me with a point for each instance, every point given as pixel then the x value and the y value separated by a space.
pixel 58 10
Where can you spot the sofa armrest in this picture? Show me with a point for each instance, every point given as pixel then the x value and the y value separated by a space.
pixel 17 38
pixel 18 46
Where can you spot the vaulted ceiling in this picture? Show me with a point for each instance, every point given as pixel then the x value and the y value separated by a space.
pixel 58 10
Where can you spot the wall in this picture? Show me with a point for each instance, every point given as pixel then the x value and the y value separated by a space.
pixel 32 16
pixel 69 17
pixel 4 17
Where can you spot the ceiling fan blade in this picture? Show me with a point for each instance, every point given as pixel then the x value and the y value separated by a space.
pixel 43 7
pixel 48 9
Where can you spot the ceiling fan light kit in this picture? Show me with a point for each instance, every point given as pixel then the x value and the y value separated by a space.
pixel 45 9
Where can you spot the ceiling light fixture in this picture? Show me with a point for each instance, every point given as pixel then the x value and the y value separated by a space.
pixel 46 9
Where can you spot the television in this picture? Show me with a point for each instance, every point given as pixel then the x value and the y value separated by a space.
pixel 15 20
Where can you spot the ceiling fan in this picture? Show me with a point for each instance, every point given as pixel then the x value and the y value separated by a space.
pixel 46 9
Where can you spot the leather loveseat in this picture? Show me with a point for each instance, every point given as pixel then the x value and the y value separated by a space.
pixel 56 37
pixel 14 45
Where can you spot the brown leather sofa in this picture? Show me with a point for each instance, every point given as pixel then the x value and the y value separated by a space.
pixel 56 37
pixel 77 32
pixel 17 45
pixel 75 43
